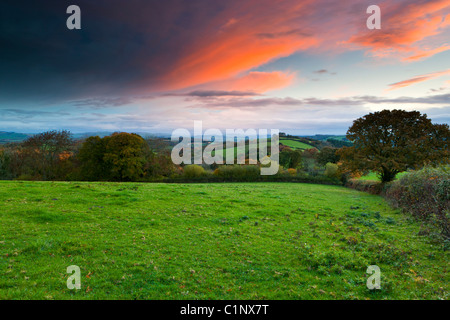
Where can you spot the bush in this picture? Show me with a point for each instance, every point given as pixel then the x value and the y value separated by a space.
pixel 5 164
pixel 28 177
pixel 332 170
pixel 425 194
pixel 292 172
pixel 372 187
pixel 238 172
pixel 193 171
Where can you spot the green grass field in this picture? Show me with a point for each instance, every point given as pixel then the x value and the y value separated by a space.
pixel 210 241
pixel 243 150
pixel 294 144
pixel 372 176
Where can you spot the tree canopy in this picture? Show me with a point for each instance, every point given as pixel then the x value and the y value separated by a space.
pixel 392 141
pixel 45 149
pixel 119 157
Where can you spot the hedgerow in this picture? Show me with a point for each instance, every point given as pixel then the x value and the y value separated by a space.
pixel 425 194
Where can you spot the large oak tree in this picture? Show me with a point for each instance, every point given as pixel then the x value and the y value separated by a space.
pixel 392 141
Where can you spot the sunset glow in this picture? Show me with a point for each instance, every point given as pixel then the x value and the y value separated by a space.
pixel 151 67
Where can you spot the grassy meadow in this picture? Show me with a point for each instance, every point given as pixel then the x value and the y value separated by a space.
pixel 372 176
pixel 294 144
pixel 211 241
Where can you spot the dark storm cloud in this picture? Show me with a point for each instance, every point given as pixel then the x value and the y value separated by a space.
pixel 122 47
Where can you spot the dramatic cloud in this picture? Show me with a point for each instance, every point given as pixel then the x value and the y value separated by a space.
pixel 427 53
pixel 154 46
pixel 173 60
pixel 257 82
pixel 404 25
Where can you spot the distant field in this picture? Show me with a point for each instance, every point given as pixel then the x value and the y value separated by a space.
pixel 372 176
pixel 340 138
pixel 210 241
pixel 294 144
pixel 243 150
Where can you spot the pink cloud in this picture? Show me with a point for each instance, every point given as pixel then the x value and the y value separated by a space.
pixel 255 81
pixel 243 37
pixel 427 53
pixel 246 35
pixel 404 27
pixel 421 78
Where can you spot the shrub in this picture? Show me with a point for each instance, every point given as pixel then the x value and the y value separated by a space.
pixel 28 177
pixel 373 187
pixel 425 194
pixel 332 170
pixel 238 172
pixel 193 171
pixel 292 172
pixel 5 164
pixel 327 154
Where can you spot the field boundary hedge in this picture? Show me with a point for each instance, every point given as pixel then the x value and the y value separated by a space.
pixel 424 194
pixel 216 179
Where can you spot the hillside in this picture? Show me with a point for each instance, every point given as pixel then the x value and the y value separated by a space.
pixel 7 137
pixel 295 144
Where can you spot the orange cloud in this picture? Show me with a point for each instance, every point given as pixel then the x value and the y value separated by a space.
pixel 260 34
pixel 427 53
pixel 248 34
pixel 257 82
pixel 406 83
pixel 232 56
pixel 403 27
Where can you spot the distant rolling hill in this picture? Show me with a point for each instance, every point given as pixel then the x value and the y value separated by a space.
pixel 7 137
pixel 318 141
pixel 294 142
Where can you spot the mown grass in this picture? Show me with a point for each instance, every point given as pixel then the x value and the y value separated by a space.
pixel 210 241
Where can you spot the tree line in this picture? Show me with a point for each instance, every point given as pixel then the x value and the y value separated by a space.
pixel 385 142
pixel 55 155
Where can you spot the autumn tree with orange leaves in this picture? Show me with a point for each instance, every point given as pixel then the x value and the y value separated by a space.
pixel 45 151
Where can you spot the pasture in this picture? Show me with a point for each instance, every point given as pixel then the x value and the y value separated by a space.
pixel 211 241
pixel 295 144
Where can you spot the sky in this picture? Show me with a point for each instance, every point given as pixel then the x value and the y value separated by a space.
pixel 303 67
